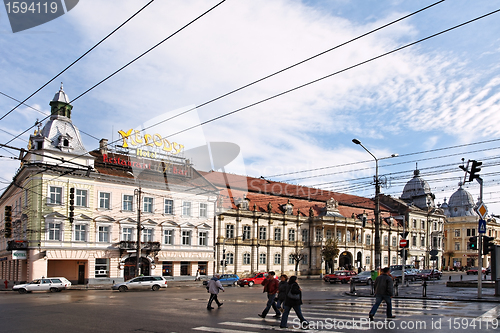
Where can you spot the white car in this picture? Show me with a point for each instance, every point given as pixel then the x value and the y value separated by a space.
pixel 142 283
pixel 51 284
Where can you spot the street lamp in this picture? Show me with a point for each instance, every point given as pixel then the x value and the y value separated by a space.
pixel 377 203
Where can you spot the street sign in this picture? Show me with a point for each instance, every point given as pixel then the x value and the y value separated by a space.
pixel 482 210
pixel 403 243
pixel 482 226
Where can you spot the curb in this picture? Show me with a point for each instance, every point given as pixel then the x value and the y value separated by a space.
pixel 436 298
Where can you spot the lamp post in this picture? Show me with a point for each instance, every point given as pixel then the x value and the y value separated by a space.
pixel 377 203
pixel 138 193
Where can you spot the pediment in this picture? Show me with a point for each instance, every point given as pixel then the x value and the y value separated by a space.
pixel 54 215
pixel 104 218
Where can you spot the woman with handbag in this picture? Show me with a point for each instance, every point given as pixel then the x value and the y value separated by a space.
pixel 293 300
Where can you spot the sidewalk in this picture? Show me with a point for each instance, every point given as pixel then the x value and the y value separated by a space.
pixel 436 290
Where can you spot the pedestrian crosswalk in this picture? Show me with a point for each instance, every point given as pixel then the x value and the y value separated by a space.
pixel 351 314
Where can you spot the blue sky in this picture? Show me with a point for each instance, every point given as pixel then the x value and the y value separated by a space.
pixel 440 93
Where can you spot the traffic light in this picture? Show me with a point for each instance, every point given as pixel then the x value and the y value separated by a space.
pixel 473 243
pixel 404 234
pixel 474 170
pixel 488 245
pixel 8 221
pixel 403 254
pixel 71 204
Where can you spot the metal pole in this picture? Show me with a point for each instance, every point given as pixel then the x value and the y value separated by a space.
pixel 480 247
pixel 404 254
pixel 138 259
pixel 377 218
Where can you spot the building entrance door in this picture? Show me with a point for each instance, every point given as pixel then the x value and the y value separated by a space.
pixel 81 274
pixel 130 265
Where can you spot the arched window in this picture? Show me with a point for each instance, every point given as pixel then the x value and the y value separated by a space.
pixel 291 259
pixel 246 258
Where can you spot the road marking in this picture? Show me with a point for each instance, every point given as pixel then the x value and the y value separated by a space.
pixel 490 315
pixel 218 329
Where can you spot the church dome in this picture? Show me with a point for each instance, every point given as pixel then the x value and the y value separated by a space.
pixel 418 191
pixel 461 203
pixel 61 96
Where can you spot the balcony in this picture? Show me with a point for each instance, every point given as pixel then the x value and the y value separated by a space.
pixel 17 245
pixel 147 247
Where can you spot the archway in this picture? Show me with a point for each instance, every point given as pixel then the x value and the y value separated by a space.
pixel 345 260
pixel 130 265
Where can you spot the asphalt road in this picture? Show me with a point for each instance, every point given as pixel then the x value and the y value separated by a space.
pixel 183 309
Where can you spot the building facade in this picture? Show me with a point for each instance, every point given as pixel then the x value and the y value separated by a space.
pixel 76 213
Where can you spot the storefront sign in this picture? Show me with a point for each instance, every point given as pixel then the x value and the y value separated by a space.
pixel 159 166
pixel 149 146
pixel 19 255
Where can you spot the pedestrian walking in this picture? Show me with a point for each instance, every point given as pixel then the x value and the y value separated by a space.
pixel 384 290
pixel 213 287
pixel 293 300
pixel 282 292
pixel 197 278
pixel 271 287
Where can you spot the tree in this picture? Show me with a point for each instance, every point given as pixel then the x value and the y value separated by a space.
pixel 297 257
pixel 330 251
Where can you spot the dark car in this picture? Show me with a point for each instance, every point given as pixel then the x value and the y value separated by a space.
pixel 430 274
pixel 363 277
pixel 341 276
pixel 397 275
pixel 226 280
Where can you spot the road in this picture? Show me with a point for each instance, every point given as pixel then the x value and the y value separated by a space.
pixel 183 309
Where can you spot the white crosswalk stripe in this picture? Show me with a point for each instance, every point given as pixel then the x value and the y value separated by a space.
pixel 353 312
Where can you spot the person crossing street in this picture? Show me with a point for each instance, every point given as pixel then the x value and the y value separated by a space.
pixel 271 286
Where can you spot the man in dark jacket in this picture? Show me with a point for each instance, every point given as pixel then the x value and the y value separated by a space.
pixel 384 290
pixel 271 287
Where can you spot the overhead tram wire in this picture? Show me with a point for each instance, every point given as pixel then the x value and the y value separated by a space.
pixel 78 59
pixel 330 75
pixel 132 61
pixel 242 87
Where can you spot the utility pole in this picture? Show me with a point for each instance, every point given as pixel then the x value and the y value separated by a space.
pixel 138 192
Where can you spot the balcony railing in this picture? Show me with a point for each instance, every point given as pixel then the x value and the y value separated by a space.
pixel 145 246
pixel 17 245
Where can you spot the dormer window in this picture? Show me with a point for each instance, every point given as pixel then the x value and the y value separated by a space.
pixel 65 143
pixel 39 145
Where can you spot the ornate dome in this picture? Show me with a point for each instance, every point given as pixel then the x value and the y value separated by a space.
pixel 418 191
pixel 461 203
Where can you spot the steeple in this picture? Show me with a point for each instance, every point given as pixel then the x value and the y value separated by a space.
pixel 59 106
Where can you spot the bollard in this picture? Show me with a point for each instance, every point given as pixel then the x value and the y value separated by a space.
pixel 424 289
pixel 396 289
pixel 372 288
pixel 353 286
pixel 461 277
pixel 449 278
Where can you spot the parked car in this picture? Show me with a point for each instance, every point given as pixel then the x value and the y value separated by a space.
pixel 142 283
pixel 51 284
pixel 363 277
pixel 397 275
pixel 226 280
pixel 429 274
pixel 473 270
pixel 400 267
pixel 342 276
pixel 250 281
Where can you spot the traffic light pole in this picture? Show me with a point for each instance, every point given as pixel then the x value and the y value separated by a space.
pixel 404 254
pixel 480 246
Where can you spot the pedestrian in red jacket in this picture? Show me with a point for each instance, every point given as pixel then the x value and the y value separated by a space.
pixel 271 286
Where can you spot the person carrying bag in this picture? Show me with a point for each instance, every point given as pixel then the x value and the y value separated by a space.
pixel 293 300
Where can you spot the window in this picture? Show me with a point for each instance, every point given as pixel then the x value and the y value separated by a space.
pixel 368 240
pixel 435 226
pixel 319 235
pixel 457 246
pixel 230 258
pixel 471 232
pixel 414 223
pixel 147 235
pixel 386 260
pixel 457 232
pixel 291 259
pixel 186 208
pixel 203 238
pixel 386 241
pixel 262 232
pixel 81 198
pixel 262 258
pixel 246 232
pixel 55 195
pixel 186 237
pixel 435 243
pixel 203 210
pixel 394 260
pixel 305 235
pixel 147 205
pixel 339 235
pixel 291 235
pixel 168 237
pixel 367 260
pixel 246 258
pixel 277 259
pixel 104 200
pixel 277 234
pixel 328 234
pixel 422 241
pixel 80 232
pixel 54 231
pixel 103 234
pixel 127 234
pixel 229 231
pixel 394 241
pixel 169 206
pixel 128 202
pixel 101 267
pixel 422 224
pixel 304 260
pixel 414 240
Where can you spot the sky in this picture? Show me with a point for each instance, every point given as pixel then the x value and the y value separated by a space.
pixel 433 103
